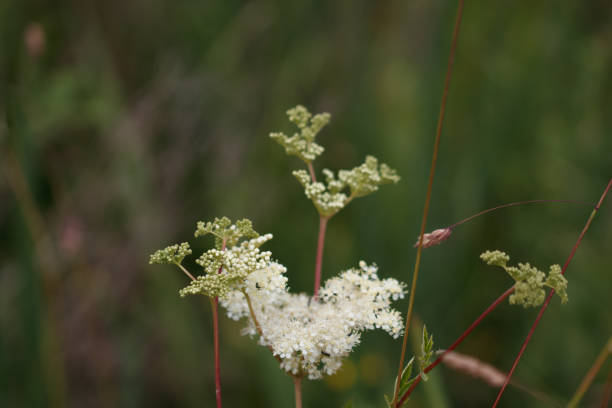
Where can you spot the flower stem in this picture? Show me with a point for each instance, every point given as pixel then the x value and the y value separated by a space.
pixel 551 293
pixel 185 271
pixel 607 390
pixel 319 261
pixel 214 303
pixel 449 69
pixel 590 375
pixel 312 172
pixel 215 306
pixel 297 385
pixel 460 339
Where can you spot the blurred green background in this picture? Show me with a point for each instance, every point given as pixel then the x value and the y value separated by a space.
pixel 125 122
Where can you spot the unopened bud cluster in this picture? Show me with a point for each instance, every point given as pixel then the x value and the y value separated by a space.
pixel 530 281
pixel 330 197
pixel 173 254
pixel 303 144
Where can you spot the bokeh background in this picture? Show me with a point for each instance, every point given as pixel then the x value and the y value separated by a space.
pixel 122 123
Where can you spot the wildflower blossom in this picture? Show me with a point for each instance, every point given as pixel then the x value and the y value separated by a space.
pixel 312 336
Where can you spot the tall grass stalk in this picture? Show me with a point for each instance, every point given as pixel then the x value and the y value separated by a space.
pixel 432 171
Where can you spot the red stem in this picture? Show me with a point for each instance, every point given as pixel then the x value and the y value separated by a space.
pixel 460 339
pixel 312 172
pixel 607 390
pixel 319 261
pixel 297 386
pixel 545 305
pixel 215 304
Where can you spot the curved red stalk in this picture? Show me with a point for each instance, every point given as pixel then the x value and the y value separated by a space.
pixel 545 305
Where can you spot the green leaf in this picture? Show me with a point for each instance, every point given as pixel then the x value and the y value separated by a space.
pixel 406 381
pixel 426 353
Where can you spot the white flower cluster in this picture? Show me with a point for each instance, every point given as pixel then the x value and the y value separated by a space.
pixel 266 287
pixel 311 337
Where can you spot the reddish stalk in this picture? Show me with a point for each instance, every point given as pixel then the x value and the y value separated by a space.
pixel 312 172
pixel 512 205
pixel 550 294
pixel 319 261
pixel 608 390
pixel 459 340
pixel 432 171
pixel 215 306
pixel 320 241
pixel 297 385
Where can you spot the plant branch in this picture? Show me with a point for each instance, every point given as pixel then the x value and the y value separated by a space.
pixel 449 70
pixel 319 260
pixel 550 294
pixel 185 271
pixel 459 340
pixel 590 375
pixel 312 172
pixel 257 325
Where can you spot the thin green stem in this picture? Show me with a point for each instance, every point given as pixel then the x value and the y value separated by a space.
pixel 590 375
pixel 185 271
pixel 550 294
pixel 432 171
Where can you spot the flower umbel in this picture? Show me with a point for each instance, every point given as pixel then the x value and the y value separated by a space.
pixel 235 264
pixel 312 336
pixel 329 198
pixel 530 281
pixel 303 144
pixel 173 254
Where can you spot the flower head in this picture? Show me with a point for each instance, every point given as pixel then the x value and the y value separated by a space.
pixel 312 337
